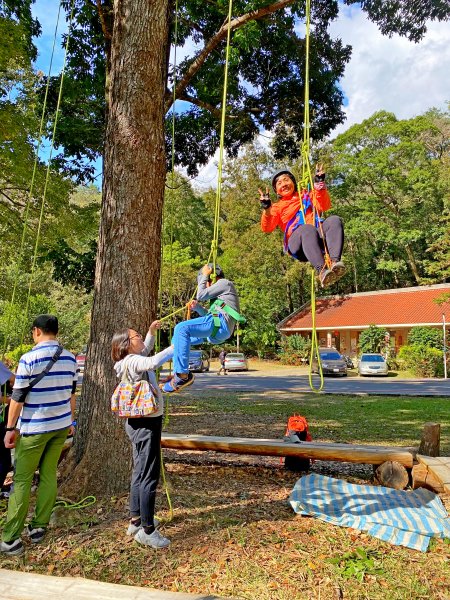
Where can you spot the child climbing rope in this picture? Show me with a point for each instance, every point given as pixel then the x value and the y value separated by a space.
pixel 216 324
pixel 306 234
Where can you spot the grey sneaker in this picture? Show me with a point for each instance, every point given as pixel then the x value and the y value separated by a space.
pixel 36 535
pixel 338 269
pixel 133 529
pixel 326 277
pixel 14 548
pixel 155 539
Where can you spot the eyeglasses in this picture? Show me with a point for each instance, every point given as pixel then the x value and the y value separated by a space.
pixel 138 335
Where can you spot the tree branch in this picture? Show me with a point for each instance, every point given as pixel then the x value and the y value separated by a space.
pixel 215 41
pixel 101 14
pixel 212 109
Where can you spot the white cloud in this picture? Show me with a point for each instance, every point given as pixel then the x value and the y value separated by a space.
pixel 392 74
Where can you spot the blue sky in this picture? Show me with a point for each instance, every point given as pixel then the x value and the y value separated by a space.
pixel 383 74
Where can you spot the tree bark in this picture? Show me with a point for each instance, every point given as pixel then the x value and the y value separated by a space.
pixel 431 440
pixel 128 260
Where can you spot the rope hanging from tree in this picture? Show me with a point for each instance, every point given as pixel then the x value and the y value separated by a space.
pixel 307 183
pixel 32 185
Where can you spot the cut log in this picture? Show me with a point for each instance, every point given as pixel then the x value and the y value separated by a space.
pixel 393 475
pixel 431 438
pixel 374 455
pixel 439 466
pixel 423 478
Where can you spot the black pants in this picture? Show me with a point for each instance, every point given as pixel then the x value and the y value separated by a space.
pixel 145 435
pixel 306 243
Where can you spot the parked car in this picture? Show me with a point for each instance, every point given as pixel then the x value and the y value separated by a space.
pixel 236 361
pixel 332 362
pixel 81 359
pixel 348 361
pixel 372 364
pixel 198 361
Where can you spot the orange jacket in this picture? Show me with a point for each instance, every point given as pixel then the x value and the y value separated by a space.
pixel 280 213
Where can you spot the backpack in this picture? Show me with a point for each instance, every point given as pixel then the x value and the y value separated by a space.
pixel 296 432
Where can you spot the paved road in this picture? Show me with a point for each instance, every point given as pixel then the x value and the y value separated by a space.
pixel 287 382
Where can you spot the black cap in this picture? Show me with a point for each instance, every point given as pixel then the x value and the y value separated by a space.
pixel 48 323
pixel 275 177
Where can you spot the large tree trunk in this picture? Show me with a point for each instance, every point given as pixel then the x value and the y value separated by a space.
pixel 128 260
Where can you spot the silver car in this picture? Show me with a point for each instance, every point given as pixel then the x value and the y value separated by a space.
pixel 236 361
pixel 372 364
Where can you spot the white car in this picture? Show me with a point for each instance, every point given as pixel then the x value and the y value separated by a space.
pixel 372 364
pixel 236 361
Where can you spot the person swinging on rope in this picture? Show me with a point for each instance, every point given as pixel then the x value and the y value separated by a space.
pixel 216 324
pixel 306 235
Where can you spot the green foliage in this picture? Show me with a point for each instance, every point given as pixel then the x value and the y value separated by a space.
pixel 372 339
pixel 13 356
pixel 422 361
pixel 358 563
pixel 431 337
pixel 295 350
pixel 388 185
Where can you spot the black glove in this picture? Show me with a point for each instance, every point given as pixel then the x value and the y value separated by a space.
pixel 319 177
pixel 265 201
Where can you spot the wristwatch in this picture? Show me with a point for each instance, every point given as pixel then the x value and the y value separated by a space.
pixel 10 429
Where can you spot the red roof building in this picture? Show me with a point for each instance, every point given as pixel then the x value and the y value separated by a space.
pixel 340 319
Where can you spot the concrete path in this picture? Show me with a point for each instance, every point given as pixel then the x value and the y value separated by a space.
pixel 18 585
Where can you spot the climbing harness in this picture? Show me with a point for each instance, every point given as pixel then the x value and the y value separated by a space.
pixel 219 306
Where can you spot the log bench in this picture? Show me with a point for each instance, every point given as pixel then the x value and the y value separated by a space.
pixel 17 585
pixel 375 455
pixel 439 468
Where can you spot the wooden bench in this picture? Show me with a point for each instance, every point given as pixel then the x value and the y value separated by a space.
pixel 439 467
pixel 375 455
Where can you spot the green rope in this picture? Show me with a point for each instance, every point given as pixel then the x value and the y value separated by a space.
pixel 84 503
pixel 47 175
pixel 30 193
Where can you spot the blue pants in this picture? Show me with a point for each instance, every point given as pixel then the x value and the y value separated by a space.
pixel 194 332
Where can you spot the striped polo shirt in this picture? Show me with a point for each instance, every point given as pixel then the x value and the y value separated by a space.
pixel 47 406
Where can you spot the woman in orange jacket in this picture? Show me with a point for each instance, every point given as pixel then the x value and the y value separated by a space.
pixel 305 231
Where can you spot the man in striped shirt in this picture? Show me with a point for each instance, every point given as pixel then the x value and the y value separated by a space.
pixel 46 414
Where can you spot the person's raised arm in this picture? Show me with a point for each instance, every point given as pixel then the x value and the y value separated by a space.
pixel 149 342
pixel 270 216
pixel 321 197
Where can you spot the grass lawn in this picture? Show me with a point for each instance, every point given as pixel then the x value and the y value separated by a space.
pixel 233 533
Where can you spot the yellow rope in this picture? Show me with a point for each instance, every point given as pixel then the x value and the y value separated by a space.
pixel 215 240
pixel 307 183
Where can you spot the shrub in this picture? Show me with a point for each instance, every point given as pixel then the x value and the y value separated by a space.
pixel 13 356
pixel 372 339
pixel 422 361
pixel 426 336
pixel 295 350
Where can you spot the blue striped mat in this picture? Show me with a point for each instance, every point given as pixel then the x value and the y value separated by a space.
pixel 408 519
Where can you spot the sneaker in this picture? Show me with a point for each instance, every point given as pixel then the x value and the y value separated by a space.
pixel 36 535
pixel 14 548
pixel 177 383
pixel 155 539
pixel 326 277
pixel 133 529
pixel 338 269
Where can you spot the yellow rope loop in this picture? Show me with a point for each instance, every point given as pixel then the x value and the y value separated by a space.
pixel 314 340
